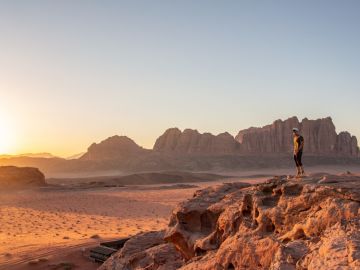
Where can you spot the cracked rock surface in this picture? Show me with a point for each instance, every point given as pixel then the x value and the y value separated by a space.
pixel 311 223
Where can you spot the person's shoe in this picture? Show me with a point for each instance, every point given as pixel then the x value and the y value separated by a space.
pixel 298 173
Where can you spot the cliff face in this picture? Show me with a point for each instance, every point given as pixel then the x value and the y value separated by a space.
pixel 192 142
pixel 280 224
pixel 113 148
pixel 20 177
pixel 320 138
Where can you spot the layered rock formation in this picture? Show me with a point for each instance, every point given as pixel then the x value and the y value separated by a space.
pixel 113 148
pixel 16 177
pixel 320 138
pixel 192 142
pixel 281 224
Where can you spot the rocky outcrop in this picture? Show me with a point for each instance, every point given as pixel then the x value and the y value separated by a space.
pixel 113 148
pixel 320 138
pixel 280 224
pixel 145 251
pixel 20 177
pixel 347 144
pixel 192 142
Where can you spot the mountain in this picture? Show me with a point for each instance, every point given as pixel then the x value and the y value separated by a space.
pixel 192 142
pixel 175 150
pixel 320 138
pixel 75 156
pixel 31 155
pixel 113 148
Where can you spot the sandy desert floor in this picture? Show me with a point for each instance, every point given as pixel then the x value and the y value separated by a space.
pixel 53 229
pixel 38 228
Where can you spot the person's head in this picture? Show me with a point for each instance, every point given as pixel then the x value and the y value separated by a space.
pixel 295 131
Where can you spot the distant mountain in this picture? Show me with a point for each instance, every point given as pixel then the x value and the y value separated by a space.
pixel 31 155
pixel 76 156
pixel 268 146
pixel 192 142
pixel 320 138
pixel 113 148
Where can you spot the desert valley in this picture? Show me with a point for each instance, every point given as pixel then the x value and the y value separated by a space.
pixel 117 190
pixel 179 135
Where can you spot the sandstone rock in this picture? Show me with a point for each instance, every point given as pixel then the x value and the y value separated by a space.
pixel 277 225
pixel 320 138
pixel 145 251
pixel 280 224
pixel 113 148
pixel 275 138
pixel 20 177
pixel 192 142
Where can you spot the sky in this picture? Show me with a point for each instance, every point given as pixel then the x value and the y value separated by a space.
pixel 76 72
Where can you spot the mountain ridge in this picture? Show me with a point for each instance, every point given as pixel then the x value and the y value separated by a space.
pixel 261 147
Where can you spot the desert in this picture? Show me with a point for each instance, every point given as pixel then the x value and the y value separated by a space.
pixel 179 135
pixel 54 227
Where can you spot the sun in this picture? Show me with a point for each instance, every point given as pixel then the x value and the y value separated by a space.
pixel 6 136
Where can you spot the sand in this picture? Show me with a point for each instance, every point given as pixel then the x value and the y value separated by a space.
pixel 41 228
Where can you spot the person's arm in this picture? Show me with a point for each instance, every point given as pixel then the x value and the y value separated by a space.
pixel 301 146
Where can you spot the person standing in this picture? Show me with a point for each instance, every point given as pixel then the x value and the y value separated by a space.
pixel 298 151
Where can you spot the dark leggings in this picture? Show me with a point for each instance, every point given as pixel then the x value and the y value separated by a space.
pixel 297 159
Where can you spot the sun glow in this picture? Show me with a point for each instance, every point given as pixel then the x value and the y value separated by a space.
pixel 7 135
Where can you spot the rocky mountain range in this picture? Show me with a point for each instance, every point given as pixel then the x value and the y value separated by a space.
pixel 268 146
pixel 320 137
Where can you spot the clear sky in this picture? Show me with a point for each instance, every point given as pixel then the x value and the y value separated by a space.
pixel 75 72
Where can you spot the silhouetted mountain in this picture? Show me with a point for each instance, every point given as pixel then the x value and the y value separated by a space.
pixel 268 146
pixel 113 148
pixel 192 142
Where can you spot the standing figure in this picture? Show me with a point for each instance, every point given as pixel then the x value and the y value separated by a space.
pixel 298 151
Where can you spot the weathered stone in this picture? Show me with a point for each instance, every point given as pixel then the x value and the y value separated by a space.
pixel 280 224
pixel 145 251
pixel 309 224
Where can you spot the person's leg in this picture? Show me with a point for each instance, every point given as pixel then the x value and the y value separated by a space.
pixel 297 165
pixel 300 163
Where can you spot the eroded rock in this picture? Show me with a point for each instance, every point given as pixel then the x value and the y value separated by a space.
pixel 145 251
pixel 280 224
